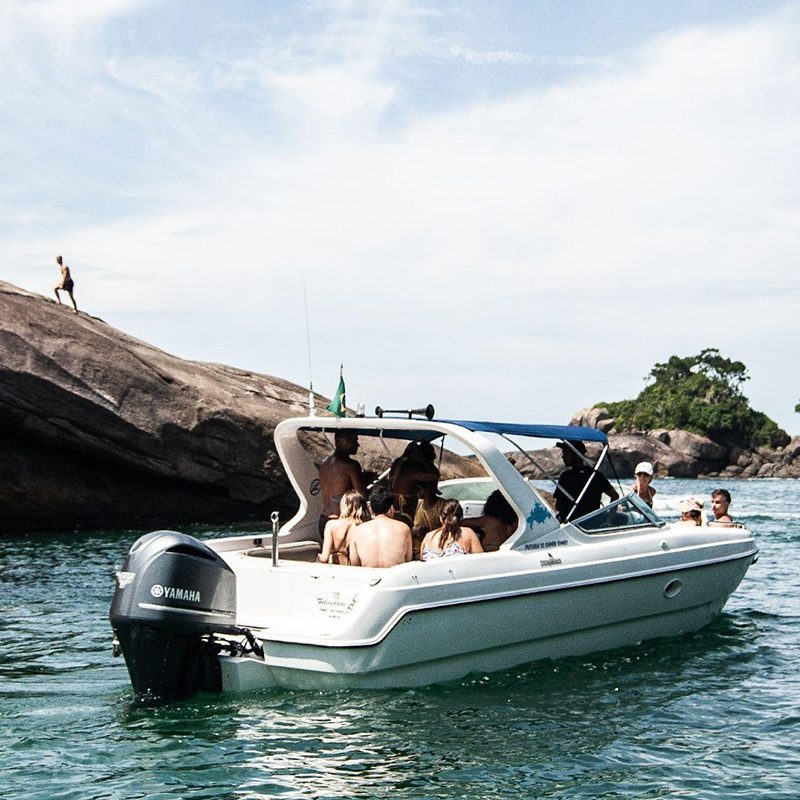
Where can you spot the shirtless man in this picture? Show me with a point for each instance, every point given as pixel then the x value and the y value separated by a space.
pixel 720 500
pixel 67 284
pixel 338 474
pixel 383 541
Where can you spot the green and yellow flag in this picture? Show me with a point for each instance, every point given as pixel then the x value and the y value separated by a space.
pixel 337 404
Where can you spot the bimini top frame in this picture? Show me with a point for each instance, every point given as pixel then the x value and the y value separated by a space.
pixel 536 517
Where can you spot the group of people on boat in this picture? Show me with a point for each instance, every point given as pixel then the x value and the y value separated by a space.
pixel 404 516
pixel 692 510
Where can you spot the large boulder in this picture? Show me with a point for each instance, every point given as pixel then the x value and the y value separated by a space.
pixel 598 418
pixel 695 446
pixel 103 430
pixel 629 449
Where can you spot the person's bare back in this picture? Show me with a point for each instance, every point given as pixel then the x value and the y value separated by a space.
pixel 335 543
pixel 383 541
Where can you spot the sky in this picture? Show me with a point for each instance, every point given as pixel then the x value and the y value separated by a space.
pixel 511 210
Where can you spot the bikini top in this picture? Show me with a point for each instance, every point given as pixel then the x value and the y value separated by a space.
pixel 452 549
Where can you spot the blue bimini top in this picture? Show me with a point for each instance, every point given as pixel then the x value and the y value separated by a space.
pixel 566 432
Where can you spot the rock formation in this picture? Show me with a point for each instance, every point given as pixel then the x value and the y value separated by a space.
pixel 681 454
pixel 103 430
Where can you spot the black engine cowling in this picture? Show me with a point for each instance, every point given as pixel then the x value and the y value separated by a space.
pixel 173 592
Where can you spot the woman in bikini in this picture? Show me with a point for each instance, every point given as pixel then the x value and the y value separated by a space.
pixel 451 539
pixel 336 536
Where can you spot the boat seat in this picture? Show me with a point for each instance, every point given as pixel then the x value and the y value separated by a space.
pixel 291 551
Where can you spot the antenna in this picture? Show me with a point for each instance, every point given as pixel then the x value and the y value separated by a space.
pixel 311 410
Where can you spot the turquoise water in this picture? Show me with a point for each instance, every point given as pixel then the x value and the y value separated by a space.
pixel 714 714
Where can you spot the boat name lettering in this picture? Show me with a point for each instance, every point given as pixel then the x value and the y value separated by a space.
pixel 546 545
pixel 550 562
pixel 173 593
pixel 335 607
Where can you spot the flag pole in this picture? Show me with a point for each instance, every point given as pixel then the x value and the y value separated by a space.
pixel 312 412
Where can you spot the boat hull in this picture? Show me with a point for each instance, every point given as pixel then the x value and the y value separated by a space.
pixel 448 641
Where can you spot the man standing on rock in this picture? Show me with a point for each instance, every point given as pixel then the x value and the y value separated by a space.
pixel 338 474
pixel 67 284
pixel 383 541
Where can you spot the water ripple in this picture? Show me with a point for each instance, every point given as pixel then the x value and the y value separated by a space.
pixel 705 716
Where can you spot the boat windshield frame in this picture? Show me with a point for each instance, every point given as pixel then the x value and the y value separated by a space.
pixel 614 509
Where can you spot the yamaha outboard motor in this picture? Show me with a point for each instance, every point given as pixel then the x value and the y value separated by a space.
pixel 173 593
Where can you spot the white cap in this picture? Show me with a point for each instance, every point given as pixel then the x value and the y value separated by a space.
pixel 644 466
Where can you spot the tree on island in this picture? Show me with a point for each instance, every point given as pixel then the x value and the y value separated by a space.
pixel 701 394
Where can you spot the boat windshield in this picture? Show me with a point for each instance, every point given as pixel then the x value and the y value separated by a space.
pixel 629 512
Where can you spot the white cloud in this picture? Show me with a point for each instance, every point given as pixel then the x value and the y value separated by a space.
pixel 530 252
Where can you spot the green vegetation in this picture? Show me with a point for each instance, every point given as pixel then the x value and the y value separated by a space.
pixel 701 394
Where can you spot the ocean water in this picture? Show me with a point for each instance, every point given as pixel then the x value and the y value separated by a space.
pixel 715 714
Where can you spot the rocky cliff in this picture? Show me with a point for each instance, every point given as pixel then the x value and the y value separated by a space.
pixel 102 430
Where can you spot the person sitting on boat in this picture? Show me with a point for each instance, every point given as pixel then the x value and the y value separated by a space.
pixel 336 537
pixel 720 500
pixel 691 510
pixel 426 517
pixel 451 539
pixel 339 473
pixel 383 541
pixel 415 466
pixel 496 524
pixel 574 479
pixel 644 477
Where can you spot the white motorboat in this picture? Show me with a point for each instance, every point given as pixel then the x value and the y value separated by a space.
pixel 259 611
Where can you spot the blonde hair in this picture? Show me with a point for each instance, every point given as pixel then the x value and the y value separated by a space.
pixel 353 506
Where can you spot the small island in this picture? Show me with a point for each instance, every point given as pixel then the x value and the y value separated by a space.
pixel 693 420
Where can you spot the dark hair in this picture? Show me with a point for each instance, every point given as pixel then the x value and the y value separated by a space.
pixel 497 506
pixel 576 443
pixel 344 433
pixel 450 517
pixel 426 451
pixel 380 500
pixel 722 493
